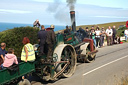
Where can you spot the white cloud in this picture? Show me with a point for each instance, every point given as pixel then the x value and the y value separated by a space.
pixel 111 17
pixel 14 11
pixel 43 1
pixel 56 1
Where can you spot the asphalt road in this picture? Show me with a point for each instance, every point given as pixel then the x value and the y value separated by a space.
pixel 110 66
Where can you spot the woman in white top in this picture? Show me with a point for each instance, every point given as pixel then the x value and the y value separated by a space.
pixel 97 37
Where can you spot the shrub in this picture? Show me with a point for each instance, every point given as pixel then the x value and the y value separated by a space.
pixel 13 37
pixel 120 31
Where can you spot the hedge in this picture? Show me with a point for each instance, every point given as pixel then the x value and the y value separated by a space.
pixel 120 31
pixel 13 37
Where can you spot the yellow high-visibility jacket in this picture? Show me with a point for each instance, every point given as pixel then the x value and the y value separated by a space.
pixel 31 53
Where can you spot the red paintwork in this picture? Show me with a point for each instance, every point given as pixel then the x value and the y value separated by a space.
pixel 91 43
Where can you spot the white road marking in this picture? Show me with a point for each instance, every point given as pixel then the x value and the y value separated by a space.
pixel 105 65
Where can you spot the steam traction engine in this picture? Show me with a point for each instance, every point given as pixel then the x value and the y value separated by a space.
pixel 68 49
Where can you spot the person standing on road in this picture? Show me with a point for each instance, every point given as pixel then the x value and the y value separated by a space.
pixel 114 33
pixel 109 34
pixel 97 37
pixel 42 35
pixel 126 34
pixel 92 28
pixel 93 35
pixel 87 32
pixel 102 35
pixel 50 40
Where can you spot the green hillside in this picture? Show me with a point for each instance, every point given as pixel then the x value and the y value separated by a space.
pixel 105 25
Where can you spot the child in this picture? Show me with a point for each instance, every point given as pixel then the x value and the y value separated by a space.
pixel 93 35
pixel 10 58
pixel 117 40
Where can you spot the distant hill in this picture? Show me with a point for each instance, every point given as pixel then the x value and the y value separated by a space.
pixel 105 25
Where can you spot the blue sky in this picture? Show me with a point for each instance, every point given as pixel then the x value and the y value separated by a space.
pixel 57 12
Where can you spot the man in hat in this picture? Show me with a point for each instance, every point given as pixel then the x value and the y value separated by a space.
pixel 50 42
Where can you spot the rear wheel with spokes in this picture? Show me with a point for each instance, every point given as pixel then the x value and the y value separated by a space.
pixel 68 55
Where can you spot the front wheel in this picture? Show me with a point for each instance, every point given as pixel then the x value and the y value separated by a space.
pixel 89 57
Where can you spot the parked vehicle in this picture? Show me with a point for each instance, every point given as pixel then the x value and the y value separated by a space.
pixel 68 49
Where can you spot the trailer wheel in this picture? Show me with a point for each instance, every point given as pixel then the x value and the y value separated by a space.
pixel 89 57
pixel 67 53
pixel 24 82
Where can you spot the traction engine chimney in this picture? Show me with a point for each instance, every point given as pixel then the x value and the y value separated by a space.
pixel 73 23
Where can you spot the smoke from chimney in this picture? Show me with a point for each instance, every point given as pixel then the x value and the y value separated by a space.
pixel 71 4
pixel 60 11
pixel 53 7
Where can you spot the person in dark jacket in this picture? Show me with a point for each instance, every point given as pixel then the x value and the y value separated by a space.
pixel 82 34
pixel 87 32
pixel 42 35
pixel 102 35
pixel 67 31
pixel 114 34
pixel 50 42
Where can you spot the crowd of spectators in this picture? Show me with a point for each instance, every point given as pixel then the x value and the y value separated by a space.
pixel 100 35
